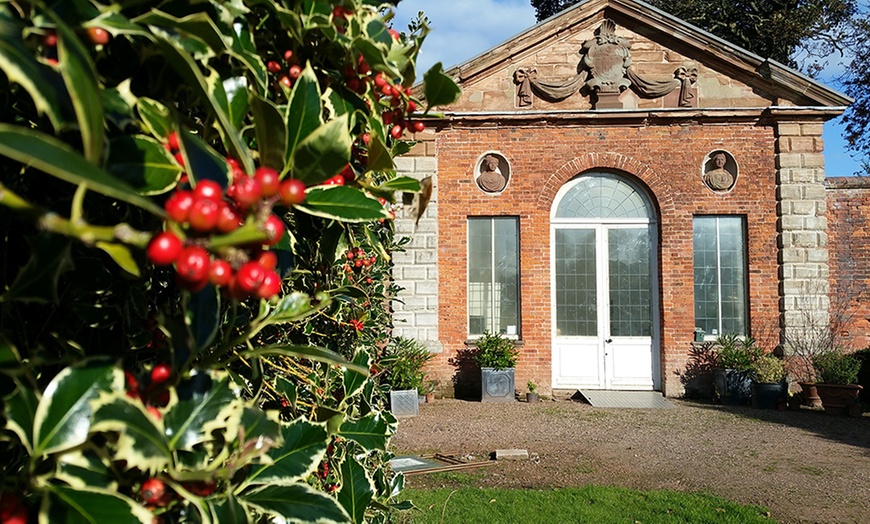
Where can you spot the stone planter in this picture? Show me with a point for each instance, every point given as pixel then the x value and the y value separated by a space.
pixel 810 394
pixel 838 399
pixel 497 385
pixel 767 395
pixel 404 403
pixel 733 386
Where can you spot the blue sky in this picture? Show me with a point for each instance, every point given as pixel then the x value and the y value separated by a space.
pixel 463 29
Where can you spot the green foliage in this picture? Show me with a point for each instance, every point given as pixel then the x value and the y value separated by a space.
pixel 734 352
pixel 586 504
pixel 836 367
pixel 404 361
pixel 494 350
pixel 532 387
pixel 117 375
pixel 767 369
pixel 856 82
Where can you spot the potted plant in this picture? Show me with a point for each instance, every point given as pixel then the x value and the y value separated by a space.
pixel 403 363
pixel 429 391
pixel 532 395
pixel 734 358
pixel 768 382
pixel 497 358
pixel 837 373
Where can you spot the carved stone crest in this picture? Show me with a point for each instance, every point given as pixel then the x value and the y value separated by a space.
pixel 607 57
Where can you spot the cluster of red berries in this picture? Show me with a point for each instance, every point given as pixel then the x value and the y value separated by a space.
pixel 358 260
pixel 151 389
pixel 293 72
pixel 12 510
pixel 96 35
pixel 207 210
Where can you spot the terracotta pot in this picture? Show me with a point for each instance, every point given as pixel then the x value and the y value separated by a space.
pixel 837 399
pixel 430 398
pixel 810 394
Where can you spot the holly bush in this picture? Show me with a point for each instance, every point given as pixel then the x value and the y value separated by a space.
pixel 196 212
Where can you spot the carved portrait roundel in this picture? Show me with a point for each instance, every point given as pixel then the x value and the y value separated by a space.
pixel 719 171
pixel 492 172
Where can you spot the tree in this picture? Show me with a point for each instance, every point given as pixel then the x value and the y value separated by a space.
pixel 857 83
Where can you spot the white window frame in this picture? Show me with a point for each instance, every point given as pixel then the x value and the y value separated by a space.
pixel 494 310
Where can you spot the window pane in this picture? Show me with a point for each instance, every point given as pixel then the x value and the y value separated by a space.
pixel 493 275
pixel 576 308
pixel 630 292
pixel 603 196
pixel 720 274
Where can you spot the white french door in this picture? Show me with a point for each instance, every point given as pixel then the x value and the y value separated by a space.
pixel 604 300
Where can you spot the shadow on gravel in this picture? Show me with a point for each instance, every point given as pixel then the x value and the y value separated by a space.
pixel 854 431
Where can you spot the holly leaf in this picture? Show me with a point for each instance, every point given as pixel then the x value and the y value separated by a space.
pixel 56 158
pixel 370 432
pixel 307 352
pixel 401 183
pixel 202 315
pixel 122 256
pixel 256 425
pixel 357 489
pixel 201 161
pixel 140 436
pixel 228 511
pixel 84 468
pixel 37 281
pixel 323 153
pixel 438 88
pixel 62 419
pixel 20 413
pixel 66 505
pixel 203 405
pixel 342 203
pixel 297 503
pixel 155 116
pixel 144 163
pixel 271 131
pixel 292 308
pixel 303 448
pixel 303 111
pixel 354 381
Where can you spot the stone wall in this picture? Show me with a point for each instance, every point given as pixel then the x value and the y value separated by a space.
pixel 415 313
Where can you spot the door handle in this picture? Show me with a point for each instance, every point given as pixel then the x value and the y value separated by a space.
pixel 608 341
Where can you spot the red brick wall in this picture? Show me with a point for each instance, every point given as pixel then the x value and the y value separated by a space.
pixel 666 158
pixel 849 256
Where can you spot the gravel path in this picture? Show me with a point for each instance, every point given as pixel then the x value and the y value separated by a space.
pixel 804 465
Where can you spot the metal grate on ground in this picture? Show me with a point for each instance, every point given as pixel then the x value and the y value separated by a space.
pixel 625 399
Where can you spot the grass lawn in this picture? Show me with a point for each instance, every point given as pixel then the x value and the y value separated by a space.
pixel 593 504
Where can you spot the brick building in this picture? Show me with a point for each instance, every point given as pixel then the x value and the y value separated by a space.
pixel 611 181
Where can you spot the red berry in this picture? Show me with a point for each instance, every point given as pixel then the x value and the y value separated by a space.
pixel 98 36
pixel 268 179
pixel 273 66
pixel 204 215
pixel 373 259
pixel 274 227
pixel 178 206
pixel 192 265
pixel 387 90
pixel 348 175
pixel 160 373
pixel 232 162
pixel 337 180
pixel 249 277
pixel 220 273
pixel 50 39
pixel 396 131
pixel 350 255
pixel 288 55
pixel 369 280
pixel 418 126
pixel 52 61
pixel 131 381
pixel 179 158
pixel 394 34
pixel 412 106
pixel 380 81
pixel 366 138
pixel 294 72
pixel 292 192
pixel 203 489
pixel 247 192
pixel 161 399
pixel 271 285
pixel 358 262
pixel 208 189
pixel 229 218
pixel 172 141
pixel 153 490
pixel 286 82
pixel 19 516
pixel 164 248
pixel 268 259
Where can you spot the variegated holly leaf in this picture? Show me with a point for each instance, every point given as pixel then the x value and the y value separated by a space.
pixel 353 380
pixel 141 440
pixel 62 419
pixel 357 489
pixel 297 503
pixel 370 432
pixel 302 450
pixel 20 413
pixel 84 468
pixel 228 511
pixel 202 405
pixel 67 505
pixel 257 425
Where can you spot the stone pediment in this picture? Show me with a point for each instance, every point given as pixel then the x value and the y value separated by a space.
pixel 625 54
